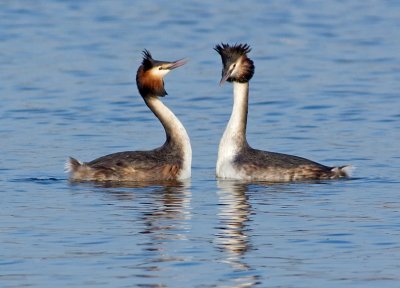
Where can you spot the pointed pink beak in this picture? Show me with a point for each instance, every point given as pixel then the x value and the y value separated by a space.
pixel 177 63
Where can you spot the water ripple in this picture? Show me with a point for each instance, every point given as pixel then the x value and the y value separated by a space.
pixel 325 87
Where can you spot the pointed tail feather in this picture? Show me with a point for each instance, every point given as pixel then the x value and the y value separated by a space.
pixel 72 165
pixel 343 171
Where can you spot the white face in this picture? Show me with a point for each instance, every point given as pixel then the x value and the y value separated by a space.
pixel 235 68
pixel 159 72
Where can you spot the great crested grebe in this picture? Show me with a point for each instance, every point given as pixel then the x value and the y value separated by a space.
pixel 236 159
pixel 171 161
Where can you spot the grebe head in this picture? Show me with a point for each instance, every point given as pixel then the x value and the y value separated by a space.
pixel 150 75
pixel 237 67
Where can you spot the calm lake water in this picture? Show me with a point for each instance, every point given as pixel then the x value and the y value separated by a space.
pixel 326 87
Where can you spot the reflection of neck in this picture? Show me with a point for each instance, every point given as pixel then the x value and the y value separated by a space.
pixel 234 215
pixel 236 129
pixel 174 130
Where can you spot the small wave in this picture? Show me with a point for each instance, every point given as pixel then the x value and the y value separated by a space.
pixel 40 180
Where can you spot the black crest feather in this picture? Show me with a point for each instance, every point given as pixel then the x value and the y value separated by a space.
pixel 232 53
pixel 148 60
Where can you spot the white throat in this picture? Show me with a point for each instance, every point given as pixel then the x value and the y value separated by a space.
pixel 234 136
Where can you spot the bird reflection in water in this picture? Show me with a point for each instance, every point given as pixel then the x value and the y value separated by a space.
pixel 232 238
pixel 169 210
pixel 165 216
pixel 161 212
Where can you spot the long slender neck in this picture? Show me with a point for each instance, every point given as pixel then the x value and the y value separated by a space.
pixel 235 131
pixel 174 130
pixel 177 137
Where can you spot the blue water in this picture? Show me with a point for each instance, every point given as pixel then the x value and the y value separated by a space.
pixel 326 87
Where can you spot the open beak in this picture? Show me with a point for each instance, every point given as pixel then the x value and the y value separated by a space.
pixel 176 64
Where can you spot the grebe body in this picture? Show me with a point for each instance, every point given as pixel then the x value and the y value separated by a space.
pixel 171 161
pixel 236 159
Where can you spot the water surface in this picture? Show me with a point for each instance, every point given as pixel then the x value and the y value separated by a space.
pixel 326 87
